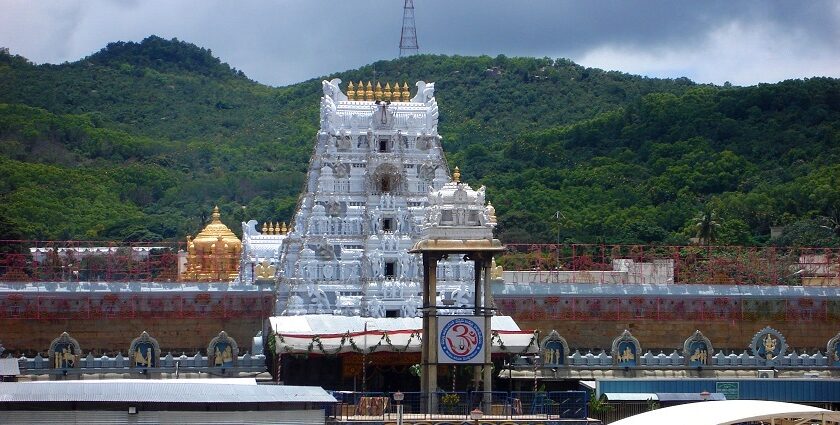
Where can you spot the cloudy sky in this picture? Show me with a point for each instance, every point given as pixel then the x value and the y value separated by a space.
pixel 282 42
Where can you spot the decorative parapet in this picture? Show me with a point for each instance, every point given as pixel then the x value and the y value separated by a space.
pixel 118 363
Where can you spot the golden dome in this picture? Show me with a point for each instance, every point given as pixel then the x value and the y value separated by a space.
pixel 215 230
pixel 214 253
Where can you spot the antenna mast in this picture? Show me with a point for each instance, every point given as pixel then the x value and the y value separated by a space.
pixel 408 37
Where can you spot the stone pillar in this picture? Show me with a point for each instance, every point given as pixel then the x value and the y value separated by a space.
pixel 477 297
pixel 487 301
pixel 428 354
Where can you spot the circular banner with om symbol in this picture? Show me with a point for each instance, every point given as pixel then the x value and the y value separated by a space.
pixel 461 340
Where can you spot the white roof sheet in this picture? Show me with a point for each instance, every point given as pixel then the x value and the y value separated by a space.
pixel 727 412
pixel 295 334
pixel 159 391
pixel 320 324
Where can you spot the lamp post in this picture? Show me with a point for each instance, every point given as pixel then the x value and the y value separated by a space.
pixel 476 415
pixel 398 397
pixel 364 361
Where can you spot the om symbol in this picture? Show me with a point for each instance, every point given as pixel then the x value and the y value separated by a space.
pixel 461 339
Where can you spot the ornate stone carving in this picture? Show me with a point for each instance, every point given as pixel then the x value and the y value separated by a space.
pixel 222 351
pixel 626 350
pixel 553 350
pixel 65 352
pixel 768 344
pixel 143 352
pixel 698 350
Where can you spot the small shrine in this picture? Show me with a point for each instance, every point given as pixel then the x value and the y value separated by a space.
pixel 457 225
pixel 214 253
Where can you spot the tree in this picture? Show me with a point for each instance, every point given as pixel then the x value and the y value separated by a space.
pixel 707 227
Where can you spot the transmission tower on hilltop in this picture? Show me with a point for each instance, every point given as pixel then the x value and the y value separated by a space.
pixel 408 37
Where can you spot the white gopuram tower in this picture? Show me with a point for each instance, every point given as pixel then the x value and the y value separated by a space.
pixel 378 155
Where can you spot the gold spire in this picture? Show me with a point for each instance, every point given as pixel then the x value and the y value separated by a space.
pixel 386 95
pixel 369 91
pixel 214 253
pixel 405 92
pixel 351 91
pixel 377 92
pixel 265 228
pixel 456 176
pixel 273 228
pixel 284 229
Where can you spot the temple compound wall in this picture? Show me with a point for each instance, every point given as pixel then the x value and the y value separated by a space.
pixel 111 336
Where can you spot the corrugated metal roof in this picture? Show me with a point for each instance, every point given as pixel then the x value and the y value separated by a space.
pixel 779 389
pixel 159 391
pixel 9 367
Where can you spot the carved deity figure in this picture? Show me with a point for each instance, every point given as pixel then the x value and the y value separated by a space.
pixel 769 347
pixel 699 356
pixel 140 359
pixel 627 355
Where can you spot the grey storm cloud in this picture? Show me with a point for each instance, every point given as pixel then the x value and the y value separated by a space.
pixel 282 42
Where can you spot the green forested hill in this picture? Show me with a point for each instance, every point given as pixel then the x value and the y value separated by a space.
pixel 139 140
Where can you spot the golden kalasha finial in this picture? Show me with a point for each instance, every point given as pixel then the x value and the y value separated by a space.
pixel 216 215
pixel 369 91
pixel 377 92
pixel 265 228
pixel 395 96
pixel 351 91
pixel 284 229
pixel 386 95
pixel 456 176
pixel 273 228
pixel 406 93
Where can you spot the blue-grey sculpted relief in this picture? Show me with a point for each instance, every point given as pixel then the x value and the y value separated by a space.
pixel 627 353
pixel 553 353
pixel 698 353
pixel 64 355
pixel 222 354
pixel 64 352
pixel 768 347
pixel 144 354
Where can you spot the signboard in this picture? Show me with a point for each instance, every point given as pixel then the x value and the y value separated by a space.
pixel 461 340
pixel 728 389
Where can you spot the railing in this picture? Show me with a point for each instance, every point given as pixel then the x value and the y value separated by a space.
pixel 457 405
pixel 99 261
pixel 801 308
pixel 733 265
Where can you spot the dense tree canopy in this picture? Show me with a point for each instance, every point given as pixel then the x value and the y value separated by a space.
pixel 139 140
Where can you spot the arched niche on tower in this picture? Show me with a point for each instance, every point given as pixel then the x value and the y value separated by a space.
pixel 64 352
pixel 698 350
pixel 553 350
pixel 626 350
pixel 144 351
pixel 386 179
pixel 222 351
